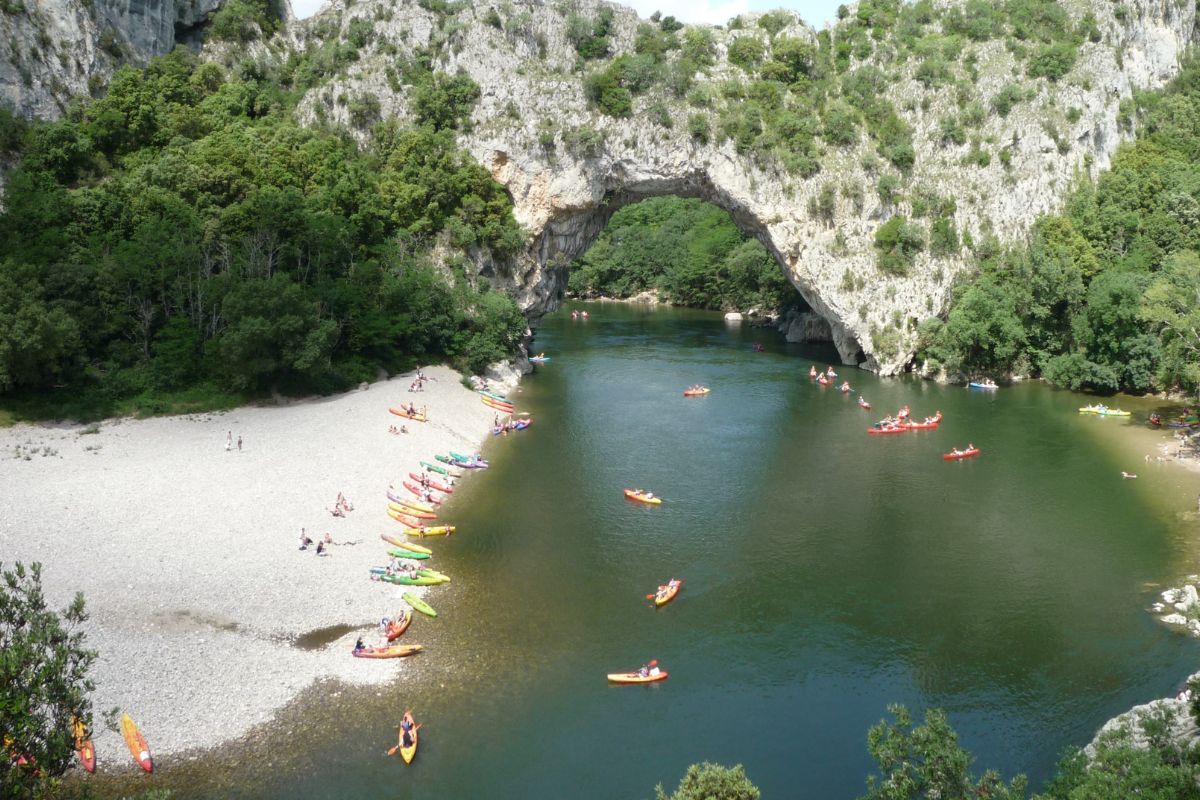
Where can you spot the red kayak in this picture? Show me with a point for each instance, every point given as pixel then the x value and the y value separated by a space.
pixel 882 431
pixel 420 493
pixel 863 404
pixel 432 484
pixel 974 451
pixel 405 519
pixel 920 426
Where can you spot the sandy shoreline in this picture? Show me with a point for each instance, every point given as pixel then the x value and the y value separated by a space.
pixel 188 554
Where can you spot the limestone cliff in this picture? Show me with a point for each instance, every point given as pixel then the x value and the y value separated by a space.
pixel 568 166
pixel 53 50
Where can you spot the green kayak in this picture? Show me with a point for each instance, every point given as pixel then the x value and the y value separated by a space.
pixel 499 397
pixel 435 468
pixel 418 604
pixel 406 581
pixel 461 457
pixel 398 553
pixel 433 573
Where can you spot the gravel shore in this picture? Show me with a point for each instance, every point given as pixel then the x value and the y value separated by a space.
pixel 188 554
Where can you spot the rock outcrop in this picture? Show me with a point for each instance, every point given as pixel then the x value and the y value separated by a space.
pixel 568 167
pixel 53 50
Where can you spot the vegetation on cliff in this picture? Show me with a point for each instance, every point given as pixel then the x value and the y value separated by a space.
pixel 1105 295
pixel 185 239
pixel 689 252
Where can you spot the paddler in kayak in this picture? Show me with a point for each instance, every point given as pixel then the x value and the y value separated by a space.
pixel 358 645
pixel 408 727
pixel 812 371
pixel 664 590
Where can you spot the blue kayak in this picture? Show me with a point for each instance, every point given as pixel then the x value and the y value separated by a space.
pixel 539 359
pixel 974 385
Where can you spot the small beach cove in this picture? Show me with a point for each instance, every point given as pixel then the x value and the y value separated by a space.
pixel 828 573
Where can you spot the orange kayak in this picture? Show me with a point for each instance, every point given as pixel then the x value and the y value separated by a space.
pixel 406 517
pixel 637 677
pixel 83 745
pixel 400 412
pixel 136 743
pixel 398 627
pixel 389 651
pixel 643 497
pixel 696 392
pixel 666 594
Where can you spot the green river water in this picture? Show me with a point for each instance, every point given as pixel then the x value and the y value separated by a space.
pixel 828 574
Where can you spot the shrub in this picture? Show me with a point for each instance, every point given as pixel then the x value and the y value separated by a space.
pixel 898 243
pixel 746 52
pixel 698 127
pixel 492 17
pixel 1052 61
pixel 1006 98
pixel 943 237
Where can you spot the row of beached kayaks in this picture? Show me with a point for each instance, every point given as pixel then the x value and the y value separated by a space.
pixel 85 750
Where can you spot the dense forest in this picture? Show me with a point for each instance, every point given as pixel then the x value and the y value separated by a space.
pixel 184 242
pixel 687 251
pixel 1105 295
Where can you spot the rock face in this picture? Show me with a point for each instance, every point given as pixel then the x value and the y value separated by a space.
pixel 51 50
pixel 568 167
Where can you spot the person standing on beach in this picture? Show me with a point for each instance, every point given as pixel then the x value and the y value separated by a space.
pixel 228 441
pixel 239 444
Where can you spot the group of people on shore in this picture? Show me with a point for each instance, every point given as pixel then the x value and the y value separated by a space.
pixel 398 431
pixel 229 442
pixel 342 506
pixel 418 383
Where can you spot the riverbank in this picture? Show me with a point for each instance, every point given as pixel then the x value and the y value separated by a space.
pixel 187 552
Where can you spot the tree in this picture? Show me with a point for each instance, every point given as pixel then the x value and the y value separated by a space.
pixel 43 681
pixel 708 781
pixel 1172 306
pixel 927 763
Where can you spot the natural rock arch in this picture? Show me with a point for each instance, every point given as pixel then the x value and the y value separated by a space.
pixel 567 165
pixel 567 236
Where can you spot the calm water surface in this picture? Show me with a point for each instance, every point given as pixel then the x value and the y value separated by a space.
pixel 828 574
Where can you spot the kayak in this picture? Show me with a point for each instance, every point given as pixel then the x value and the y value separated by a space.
pixel 419 492
pixel 433 573
pixel 432 484
pixel 408 510
pixel 656 674
pixel 419 604
pixel 83 745
pixel 821 379
pixel 1103 411
pixel 416 548
pixel 432 530
pixel 922 426
pixel 974 451
pixel 662 598
pixel 397 627
pixel 539 359
pixel 466 459
pixel 136 743
pixel 863 404
pixel 405 501
pixel 494 396
pixel 503 408
pixel 388 651
pixel 493 402
pixel 449 473
pixel 882 431
pixel 975 385
pixel 399 412
pixel 404 519
pixel 400 553
pixel 643 496
pixel 410 752
pixel 404 580
pixel 696 392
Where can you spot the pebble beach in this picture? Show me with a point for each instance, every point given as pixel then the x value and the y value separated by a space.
pixel 188 553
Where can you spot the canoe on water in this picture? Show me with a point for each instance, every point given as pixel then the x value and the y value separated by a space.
pixel 666 594
pixel 432 484
pixel 539 359
pixel 449 473
pixel 136 743
pixel 975 385
pixel 419 604
pixel 410 752
pixel 401 543
pixel 642 496
pixel 656 674
pixel 83 745
pixel 431 530
pixel 696 392
pixel 883 431
pixel 974 451
pixel 408 510
pixel 397 627
pixel 388 651
pixel 399 412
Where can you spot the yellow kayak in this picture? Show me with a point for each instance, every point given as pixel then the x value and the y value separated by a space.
pixel 398 542
pixel 412 513
pixel 414 504
pixel 636 677
pixel 433 530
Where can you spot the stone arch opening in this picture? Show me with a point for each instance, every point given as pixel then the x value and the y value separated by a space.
pixel 573 225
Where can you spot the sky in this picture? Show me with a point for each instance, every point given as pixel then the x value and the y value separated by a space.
pixel 712 12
